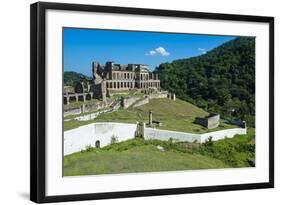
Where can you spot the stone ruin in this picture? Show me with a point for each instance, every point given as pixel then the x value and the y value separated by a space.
pixel 152 122
pixel 113 77
pixel 212 121
pixel 171 96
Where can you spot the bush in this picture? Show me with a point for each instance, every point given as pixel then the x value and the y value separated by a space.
pixel 237 152
pixel 88 148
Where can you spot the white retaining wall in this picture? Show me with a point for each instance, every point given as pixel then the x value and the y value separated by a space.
pixel 151 133
pixel 77 139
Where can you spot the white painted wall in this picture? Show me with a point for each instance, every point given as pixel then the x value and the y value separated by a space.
pixel 222 134
pixel 77 139
pixel 151 133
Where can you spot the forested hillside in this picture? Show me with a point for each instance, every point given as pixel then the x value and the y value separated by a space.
pixel 71 78
pixel 222 80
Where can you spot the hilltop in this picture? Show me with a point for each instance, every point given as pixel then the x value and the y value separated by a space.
pixel 176 115
pixel 71 78
pixel 221 81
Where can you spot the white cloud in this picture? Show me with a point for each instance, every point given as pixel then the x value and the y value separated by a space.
pixel 160 51
pixel 152 53
pixel 202 50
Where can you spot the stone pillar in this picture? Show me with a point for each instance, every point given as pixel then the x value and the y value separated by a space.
pixel 123 102
pixel 84 98
pixel 150 118
pixel 140 132
pixel 91 94
pixel 83 108
pixel 143 130
pixel 76 97
pixel 67 100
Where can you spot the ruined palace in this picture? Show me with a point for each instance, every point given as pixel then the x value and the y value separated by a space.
pixel 111 77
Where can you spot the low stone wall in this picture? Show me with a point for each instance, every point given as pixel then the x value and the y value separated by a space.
pixel 127 102
pixel 222 134
pixel 158 95
pixel 94 115
pixel 90 107
pixel 141 102
pixel 74 111
pixel 151 133
pixel 101 133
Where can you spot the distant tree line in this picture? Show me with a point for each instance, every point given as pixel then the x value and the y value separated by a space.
pixel 71 78
pixel 222 80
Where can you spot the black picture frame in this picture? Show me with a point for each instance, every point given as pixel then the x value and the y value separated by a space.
pixel 38 101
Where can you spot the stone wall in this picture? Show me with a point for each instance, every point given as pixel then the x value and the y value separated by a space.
pixel 77 139
pixel 141 102
pixel 90 107
pixel 73 111
pixel 151 133
pixel 94 115
pixel 212 121
pixel 128 101
pixel 222 134
pixel 157 95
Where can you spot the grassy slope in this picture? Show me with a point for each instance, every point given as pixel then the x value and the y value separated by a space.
pixel 137 155
pixel 127 157
pixel 174 115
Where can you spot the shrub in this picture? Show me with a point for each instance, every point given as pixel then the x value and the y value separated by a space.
pixel 89 148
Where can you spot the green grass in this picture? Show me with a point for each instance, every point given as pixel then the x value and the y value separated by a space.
pixel 134 156
pixel 176 115
pixel 237 152
pixel 138 155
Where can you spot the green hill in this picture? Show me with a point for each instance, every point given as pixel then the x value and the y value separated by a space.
pixel 71 78
pixel 138 155
pixel 222 80
pixel 176 115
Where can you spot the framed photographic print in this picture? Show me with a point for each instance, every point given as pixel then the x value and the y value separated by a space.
pixel 129 102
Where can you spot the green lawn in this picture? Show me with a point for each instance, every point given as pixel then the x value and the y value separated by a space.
pixel 176 115
pixel 138 155
pixel 143 157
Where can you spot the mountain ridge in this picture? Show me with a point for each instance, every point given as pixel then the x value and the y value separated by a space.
pixel 222 80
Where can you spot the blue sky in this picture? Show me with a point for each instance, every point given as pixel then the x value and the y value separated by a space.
pixel 83 46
